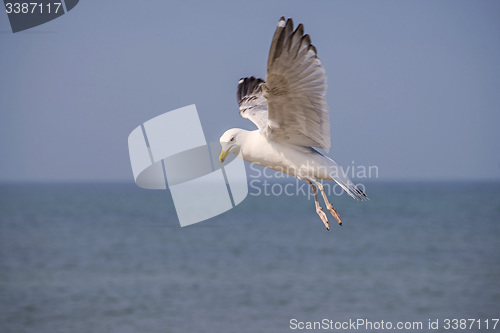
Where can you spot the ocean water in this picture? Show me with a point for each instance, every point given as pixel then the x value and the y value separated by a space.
pixel 113 258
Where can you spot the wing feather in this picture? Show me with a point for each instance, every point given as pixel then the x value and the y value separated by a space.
pixel 253 105
pixel 295 90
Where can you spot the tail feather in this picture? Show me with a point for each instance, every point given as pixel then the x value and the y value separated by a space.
pixel 341 178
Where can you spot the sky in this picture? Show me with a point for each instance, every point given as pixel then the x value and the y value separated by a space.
pixel 413 86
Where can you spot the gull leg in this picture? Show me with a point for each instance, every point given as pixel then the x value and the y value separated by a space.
pixel 329 206
pixel 319 210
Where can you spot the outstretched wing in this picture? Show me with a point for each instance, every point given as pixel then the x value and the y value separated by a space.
pixel 295 90
pixel 252 103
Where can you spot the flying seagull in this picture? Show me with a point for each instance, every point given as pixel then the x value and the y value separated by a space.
pixel 291 114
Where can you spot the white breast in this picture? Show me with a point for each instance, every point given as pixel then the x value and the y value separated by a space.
pixel 300 162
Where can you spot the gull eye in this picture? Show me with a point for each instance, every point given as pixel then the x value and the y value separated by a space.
pixel 232 139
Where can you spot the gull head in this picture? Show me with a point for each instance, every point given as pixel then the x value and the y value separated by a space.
pixel 230 143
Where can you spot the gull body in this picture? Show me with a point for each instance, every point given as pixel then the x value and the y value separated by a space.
pixel 298 161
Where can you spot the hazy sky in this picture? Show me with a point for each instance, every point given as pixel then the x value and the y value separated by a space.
pixel 413 86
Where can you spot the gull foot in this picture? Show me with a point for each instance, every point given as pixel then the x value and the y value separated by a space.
pixel 334 213
pixel 323 217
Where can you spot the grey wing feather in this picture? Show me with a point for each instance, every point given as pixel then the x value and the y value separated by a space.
pixel 295 90
pixel 253 105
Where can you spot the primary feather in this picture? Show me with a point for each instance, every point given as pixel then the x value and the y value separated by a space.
pixel 253 105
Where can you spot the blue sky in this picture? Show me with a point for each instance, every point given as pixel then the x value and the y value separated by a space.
pixel 413 86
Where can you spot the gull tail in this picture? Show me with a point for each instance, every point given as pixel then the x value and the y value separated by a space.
pixel 341 178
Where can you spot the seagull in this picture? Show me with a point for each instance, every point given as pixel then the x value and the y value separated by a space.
pixel 290 111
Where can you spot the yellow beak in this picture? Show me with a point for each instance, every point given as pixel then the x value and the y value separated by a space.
pixel 223 155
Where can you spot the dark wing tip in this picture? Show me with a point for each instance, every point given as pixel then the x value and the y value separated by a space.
pixel 247 86
pixel 306 39
pixel 283 30
pixel 313 48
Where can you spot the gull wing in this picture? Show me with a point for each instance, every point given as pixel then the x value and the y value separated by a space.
pixel 253 105
pixel 295 90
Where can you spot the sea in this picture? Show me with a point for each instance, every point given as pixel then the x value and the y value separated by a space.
pixel 111 257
